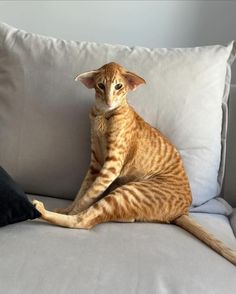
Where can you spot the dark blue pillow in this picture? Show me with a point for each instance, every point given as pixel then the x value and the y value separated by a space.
pixel 14 204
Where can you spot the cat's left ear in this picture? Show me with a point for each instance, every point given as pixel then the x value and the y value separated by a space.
pixel 87 78
pixel 133 80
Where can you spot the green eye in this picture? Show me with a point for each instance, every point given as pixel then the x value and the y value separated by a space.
pixel 101 86
pixel 118 86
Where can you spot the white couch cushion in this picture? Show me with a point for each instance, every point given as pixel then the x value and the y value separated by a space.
pixel 44 130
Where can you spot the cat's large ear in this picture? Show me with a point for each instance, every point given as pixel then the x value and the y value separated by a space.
pixel 133 80
pixel 87 78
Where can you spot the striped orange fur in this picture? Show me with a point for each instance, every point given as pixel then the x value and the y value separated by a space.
pixel 135 173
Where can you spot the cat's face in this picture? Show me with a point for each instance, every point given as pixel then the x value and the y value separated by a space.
pixel 111 89
pixel 111 83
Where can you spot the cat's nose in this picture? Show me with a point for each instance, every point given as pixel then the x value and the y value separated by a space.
pixel 109 101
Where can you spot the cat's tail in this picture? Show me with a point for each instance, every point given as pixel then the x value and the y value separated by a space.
pixel 188 224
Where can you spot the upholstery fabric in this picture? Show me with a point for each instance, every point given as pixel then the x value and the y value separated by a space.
pixel 233 221
pixel 217 205
pixel 118 258
pixel 229 191
pixel 44 129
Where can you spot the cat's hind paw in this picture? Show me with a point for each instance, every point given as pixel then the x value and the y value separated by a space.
pixel 39 206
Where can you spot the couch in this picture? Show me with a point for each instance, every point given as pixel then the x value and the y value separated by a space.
pixel 119 258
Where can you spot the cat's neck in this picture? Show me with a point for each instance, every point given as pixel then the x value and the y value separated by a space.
pixel 123 107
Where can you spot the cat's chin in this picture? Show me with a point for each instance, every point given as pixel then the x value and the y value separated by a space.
pixel 109 108
pixel 106 108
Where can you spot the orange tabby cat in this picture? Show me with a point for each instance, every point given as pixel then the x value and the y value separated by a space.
pixel 135 173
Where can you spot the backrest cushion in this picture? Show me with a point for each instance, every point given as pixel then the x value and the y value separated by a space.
pixel 44 125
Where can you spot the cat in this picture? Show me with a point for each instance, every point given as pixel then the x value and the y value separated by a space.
pixel 135 173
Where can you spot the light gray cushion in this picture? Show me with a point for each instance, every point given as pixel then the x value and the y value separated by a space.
pixel 217 205
pixel 138 258
pixel 44 130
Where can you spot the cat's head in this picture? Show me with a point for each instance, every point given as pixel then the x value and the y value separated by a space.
pixel 111 83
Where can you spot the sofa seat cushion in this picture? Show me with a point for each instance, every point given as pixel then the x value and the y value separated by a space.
pixel 37 257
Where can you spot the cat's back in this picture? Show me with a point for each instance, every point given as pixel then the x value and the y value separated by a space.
pixel 153 151
pixel 148 136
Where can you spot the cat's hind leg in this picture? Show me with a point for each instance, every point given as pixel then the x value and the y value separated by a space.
pixel 77 221
pixel 63 220
pixel 148 201
pixel 65 210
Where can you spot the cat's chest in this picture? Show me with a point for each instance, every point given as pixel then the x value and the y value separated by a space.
pixel 99 133
pixel 100 125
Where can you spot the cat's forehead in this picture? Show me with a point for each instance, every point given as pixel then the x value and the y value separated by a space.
pixel 111 71
pixel 111 67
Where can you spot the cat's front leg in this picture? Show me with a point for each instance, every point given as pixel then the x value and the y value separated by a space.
pixel 90 177
pixel 109 172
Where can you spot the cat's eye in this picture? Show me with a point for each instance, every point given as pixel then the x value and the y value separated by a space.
pixel 118 86
pixel 101 86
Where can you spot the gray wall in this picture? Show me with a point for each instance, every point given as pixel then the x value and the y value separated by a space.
pixel 143 23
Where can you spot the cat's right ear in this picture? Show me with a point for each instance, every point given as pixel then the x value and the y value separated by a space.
pixel 87 78
pixel 133 80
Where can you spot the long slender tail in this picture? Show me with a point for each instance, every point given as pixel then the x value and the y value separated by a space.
pixel 188 224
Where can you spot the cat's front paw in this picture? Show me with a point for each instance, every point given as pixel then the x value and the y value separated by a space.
pixel 39 206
